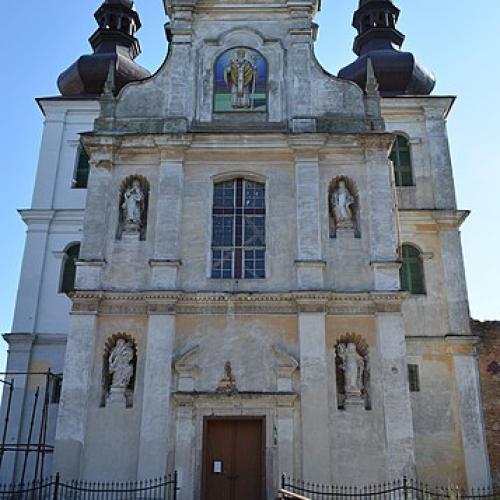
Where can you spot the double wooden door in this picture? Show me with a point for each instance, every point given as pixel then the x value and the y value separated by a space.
pixel 233 459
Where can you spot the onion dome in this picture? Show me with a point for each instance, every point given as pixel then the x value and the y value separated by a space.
pixel 397 72
pixel 114 44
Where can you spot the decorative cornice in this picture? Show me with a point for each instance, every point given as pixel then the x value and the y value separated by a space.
pixel 245 398
pixel 171 302
pixel 443 219
pixel 19 341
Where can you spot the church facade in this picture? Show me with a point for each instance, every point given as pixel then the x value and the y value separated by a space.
pixel 243 265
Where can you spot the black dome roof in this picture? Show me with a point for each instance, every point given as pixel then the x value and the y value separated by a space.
pixel 397 72
pixel 114 43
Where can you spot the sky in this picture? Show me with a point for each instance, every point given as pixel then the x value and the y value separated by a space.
pixel 454 38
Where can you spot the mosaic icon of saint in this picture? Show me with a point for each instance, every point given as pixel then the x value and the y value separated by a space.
pixel 241 78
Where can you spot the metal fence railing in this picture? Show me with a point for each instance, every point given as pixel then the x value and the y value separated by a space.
pixel 55 489
pixel 405 489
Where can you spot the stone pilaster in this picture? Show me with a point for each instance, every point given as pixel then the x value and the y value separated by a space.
pixel 50 157
pixel 78 367
pixel 477 465
pixel 314 394
pixel 156 408
pixel 285 440
pixel 309 263
pixel 166 262
pixel 382 213
pixel 18 361
pixel 95 224
pixel 454 281
pixel 30 282
pixel 399 437
pixel 184 449
pixel 439 152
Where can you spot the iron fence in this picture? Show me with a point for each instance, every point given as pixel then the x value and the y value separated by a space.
pixel 405 489
pixel 55 489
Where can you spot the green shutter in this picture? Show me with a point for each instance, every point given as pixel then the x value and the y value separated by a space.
pixel 412 271
pixel 69 269
pixel 82 170
pixel 401 158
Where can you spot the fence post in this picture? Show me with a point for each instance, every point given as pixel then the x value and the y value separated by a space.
pixel 405 488
pixel 283 480
pixel 56 488
pixel 175 485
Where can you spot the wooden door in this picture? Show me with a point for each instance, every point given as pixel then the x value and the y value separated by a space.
pixel 233 459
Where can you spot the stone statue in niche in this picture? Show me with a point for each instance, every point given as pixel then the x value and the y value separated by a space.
pixel 227 385
pixel 353 366
pixel 120 364
pixel 133 208
pixel 352 371
pixel 343 204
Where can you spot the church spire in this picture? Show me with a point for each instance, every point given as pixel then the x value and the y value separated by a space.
pixel 114 43
pixel 378 39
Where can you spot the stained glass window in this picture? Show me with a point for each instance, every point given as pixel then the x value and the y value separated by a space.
pixel 239 230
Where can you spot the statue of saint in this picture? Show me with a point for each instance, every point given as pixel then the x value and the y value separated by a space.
pixel 342 202
pixel 353 366
pixel 133 206
pixel 227 385
pixel 241 78
pixel 121 365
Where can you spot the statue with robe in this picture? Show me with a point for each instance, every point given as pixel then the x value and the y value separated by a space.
pixel 353 367
pixel 133 207
pixel 120 363
pixel 342 204
pixel 240 77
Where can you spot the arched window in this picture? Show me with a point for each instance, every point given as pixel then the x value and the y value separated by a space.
pixel 69 268
pixel 412 271
pixel 239 230
pixel 401 158
pixel 82 170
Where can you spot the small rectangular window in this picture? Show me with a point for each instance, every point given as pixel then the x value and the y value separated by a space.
pixel 56 389
pixel 413 378
pixel 82 170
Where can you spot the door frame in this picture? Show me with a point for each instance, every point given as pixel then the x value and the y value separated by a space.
pixel 262 420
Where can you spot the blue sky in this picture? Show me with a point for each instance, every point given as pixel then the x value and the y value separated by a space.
pixel 452 37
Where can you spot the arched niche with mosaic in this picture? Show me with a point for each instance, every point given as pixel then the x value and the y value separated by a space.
pixel 119 366
pixel 240 81
pixel 352 372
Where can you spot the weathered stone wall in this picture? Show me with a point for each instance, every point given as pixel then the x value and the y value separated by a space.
pixel 489 373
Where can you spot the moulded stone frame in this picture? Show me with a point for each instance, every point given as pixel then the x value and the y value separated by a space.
pixel 273 53
pixel 201 406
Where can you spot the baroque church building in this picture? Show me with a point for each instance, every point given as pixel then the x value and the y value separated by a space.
pixel 242 265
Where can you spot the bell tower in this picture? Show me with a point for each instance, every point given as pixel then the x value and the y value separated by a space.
pixel 378 39
pixel 114 44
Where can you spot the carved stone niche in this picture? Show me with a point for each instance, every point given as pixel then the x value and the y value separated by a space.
pixel 343 207
pixel 119 370
pixel 352 372
pixel 186 369
pixel 133 208
pixel 285 368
